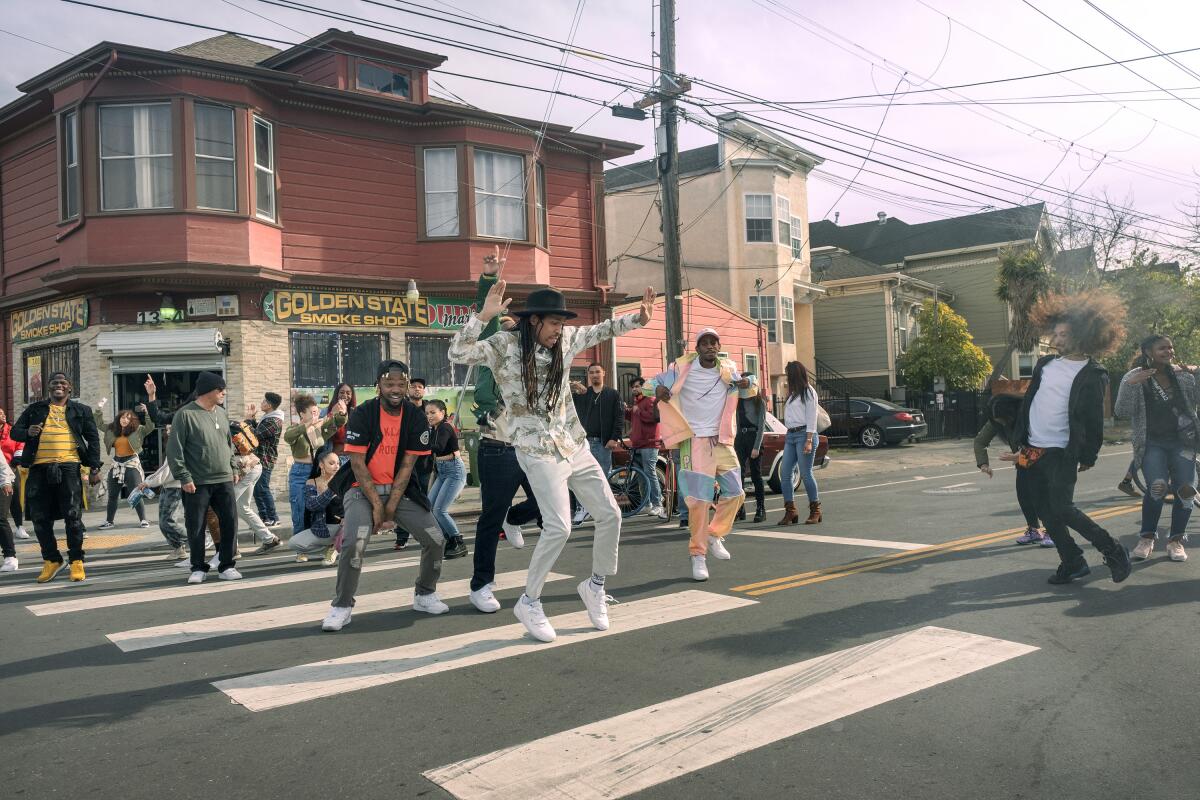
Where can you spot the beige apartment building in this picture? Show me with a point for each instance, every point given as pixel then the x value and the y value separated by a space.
pixel 743 222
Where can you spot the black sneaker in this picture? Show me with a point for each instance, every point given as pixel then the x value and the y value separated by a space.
pixel 1070 572
pixel 683 522
pixel 455 548
pixel 1118 561
pixel 1128 488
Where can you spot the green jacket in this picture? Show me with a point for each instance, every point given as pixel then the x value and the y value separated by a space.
pixel 136 439
pixel 486 396
pixel 199 449
pixel 304 446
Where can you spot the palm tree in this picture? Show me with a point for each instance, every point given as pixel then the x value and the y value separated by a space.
pixel 1022 279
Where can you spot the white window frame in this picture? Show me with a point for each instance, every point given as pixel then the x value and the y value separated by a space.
pixel 228 160
pixel 268 169
pixel 783 210
pixel 770 215
pixel 787 308
pixel 502 191
pixel 69 152
pixel 757 304
pixel 749 363
pixel 1032 363
pixel 542 209
pixel 103 158
pixel 447 231
pixel 797 241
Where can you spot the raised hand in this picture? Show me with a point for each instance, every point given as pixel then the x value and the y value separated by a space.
pixel 251 410
pixel 495 304
pixel 647 310
pixel 493 262
pixel 151 388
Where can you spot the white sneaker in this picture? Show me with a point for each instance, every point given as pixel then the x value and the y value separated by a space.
pixel 331 556
pixel 534 619
pixel 144 523
pixel 208 543
pixel 337 618
pixel 514 535
pixel 596 600
pixel 699 568
pixel 9 565
pixel 197 577
pixel 1175 550
pixel 22 533
pixel 430 604
pixel 215 560
pixel 229 574
pixel 717 547
pixel 185 563
pixel 658 511
pixel 581 516
pixel 485 601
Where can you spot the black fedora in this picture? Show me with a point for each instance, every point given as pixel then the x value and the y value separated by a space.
pixel 546 302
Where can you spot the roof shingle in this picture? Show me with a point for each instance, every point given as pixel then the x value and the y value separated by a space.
pixel 230 49
pixel 700 159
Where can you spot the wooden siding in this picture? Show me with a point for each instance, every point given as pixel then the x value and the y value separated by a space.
pixel 347 206
pixel 973 285
pixel 319 68
pixel 569 219
pixel 28 203
pixel 850 332
pixel 645 346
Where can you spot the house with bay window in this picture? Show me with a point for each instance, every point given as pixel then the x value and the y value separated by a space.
pixel 743 216
pixel 285 217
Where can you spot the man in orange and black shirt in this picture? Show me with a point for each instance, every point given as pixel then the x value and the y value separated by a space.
pixel 384 438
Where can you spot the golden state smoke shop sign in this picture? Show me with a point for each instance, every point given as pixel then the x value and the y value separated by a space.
pixel 52 319
pixel 365 309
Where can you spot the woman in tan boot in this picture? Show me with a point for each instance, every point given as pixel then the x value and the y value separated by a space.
pixel 800 447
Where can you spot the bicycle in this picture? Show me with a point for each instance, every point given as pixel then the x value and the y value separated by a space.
pixel 631 487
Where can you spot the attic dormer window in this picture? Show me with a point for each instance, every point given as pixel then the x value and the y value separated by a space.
pixel 374 78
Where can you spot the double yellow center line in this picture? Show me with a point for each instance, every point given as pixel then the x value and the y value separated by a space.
pixel 880 562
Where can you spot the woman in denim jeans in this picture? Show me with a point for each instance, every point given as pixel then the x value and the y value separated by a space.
pixel 800 446
pixel 1160 400
pixel 451 475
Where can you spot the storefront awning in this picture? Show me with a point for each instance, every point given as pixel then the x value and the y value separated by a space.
pixel 163 350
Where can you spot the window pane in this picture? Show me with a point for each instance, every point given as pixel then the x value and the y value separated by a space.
pixel 361 353
pixel 378 79
pixel 262 145
pixel 785 232
pixel 758 206
pixel 214 131
pixel 758 230
pixel 542 217
pixel 314 359
pixel 135 130
pixel 137 183
pixel 427 359
pixel 499 195
pixel 441 192
pixel 71 192
pixel 215 184
pixel 264 170
pixel 70 145
pixel 789 333
pixel 264 193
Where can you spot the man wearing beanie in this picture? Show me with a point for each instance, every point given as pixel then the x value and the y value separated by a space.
pixel 697 403
pixel 200 453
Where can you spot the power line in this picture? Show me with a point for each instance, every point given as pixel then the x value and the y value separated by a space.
pixel 1183 67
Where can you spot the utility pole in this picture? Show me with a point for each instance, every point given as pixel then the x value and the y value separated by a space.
pixel 666 145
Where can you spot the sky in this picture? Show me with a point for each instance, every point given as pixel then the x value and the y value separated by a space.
pixel 940 153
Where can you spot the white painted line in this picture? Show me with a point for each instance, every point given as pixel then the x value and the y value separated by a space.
pixel 300 684
pixel 882 544
pixel 959 485
pixel 641 749
pixel 210 587
pixel 269 619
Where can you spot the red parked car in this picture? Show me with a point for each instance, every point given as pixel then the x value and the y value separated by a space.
pixel 770 458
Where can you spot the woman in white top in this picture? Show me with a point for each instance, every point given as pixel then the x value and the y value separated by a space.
pixel 800 446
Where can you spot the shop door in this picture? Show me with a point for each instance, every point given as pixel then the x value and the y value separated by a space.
pixel 174 390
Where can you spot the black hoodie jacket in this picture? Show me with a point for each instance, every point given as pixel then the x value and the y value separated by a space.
pixel 1085 410
pixel 79 420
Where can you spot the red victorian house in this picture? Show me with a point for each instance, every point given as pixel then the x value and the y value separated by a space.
pixel 233 207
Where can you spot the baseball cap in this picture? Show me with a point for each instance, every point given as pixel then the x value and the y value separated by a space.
pixel 707 332
pixel 388 365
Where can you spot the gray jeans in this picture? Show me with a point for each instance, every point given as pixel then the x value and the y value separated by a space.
pixel 170 516
pixel 356 533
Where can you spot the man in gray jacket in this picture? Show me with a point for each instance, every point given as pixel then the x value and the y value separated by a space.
pixel 200 454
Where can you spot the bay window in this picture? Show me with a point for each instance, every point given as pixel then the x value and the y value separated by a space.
pixel 758 218
pixel 136 159
pixel 499 195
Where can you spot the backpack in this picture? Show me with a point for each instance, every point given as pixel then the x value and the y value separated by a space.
pixel 245 441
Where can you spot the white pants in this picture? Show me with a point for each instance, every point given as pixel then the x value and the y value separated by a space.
pixel 552 479
pixel 243 497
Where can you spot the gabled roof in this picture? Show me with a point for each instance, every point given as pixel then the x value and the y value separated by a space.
pixel 229 48
pixel 334 39
pixel 695 161
pixel 1075 262
pixel 836 265
pixel 894 240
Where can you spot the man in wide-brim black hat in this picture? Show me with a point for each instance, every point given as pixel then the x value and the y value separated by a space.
pixel 530 367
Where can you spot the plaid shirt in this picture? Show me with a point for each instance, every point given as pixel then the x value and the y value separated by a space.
pixel 267 432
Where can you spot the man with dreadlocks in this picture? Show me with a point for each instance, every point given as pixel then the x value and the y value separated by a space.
pixel 1061 423
pixel 529 364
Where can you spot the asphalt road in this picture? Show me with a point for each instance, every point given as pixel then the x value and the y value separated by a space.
pixel 934 661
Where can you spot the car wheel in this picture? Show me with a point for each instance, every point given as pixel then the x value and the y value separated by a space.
pixel 773 481
pixel 871 437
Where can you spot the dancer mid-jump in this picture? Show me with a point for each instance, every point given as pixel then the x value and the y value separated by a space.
pixel 530 364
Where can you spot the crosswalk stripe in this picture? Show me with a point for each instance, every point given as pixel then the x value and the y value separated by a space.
pixel 212 586
pixel 299 684
pixel 882 544
pixel 632 752
pixel 268 619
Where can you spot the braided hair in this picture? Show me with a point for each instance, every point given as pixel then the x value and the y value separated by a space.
pixel 527 333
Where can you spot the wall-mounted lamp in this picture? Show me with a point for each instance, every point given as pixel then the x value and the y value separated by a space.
pixel 167 312
pixel 413 294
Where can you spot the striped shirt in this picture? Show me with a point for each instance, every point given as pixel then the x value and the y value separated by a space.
pixel 56 445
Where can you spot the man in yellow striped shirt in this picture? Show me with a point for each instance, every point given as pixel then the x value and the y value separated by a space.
pixel 60 436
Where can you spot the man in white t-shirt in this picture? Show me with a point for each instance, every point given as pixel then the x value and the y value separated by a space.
pixel 1061 427
pixel 697 402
